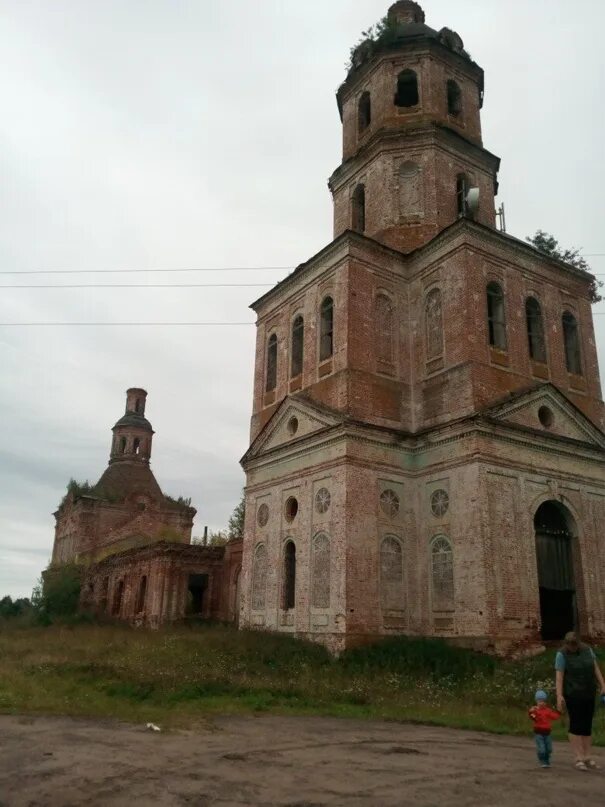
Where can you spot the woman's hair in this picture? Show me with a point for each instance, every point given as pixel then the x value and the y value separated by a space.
pixel 571 639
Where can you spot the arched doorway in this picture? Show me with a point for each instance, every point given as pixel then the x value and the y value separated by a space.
pixel 555 532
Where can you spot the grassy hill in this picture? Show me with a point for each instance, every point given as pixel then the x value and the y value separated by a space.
pixel 178 678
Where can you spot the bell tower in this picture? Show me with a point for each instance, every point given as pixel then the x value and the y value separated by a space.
pixel 132 434
pixel 413 159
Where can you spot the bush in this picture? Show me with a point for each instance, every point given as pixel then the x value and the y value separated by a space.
pixel 429 657
pixel 58 593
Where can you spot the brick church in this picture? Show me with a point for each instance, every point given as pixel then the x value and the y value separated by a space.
pixel 133 545
pixel 427 452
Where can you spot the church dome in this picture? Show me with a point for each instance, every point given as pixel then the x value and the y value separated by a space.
pixel 134 419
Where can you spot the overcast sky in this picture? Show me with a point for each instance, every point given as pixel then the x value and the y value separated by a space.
pixel 186 134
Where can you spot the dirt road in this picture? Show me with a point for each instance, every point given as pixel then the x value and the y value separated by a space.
pixel 300 762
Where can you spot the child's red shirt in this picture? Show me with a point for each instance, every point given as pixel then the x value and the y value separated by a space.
pixel 543 717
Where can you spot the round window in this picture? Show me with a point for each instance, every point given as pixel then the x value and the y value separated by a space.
pixel 291 508
pixel 262 516
pixel 322 500
pixel 546 417
pixel 293 425
pixel 389 502
pixel 440 503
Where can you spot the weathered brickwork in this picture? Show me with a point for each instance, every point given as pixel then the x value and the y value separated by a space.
pixel 133 543
pixel 454 439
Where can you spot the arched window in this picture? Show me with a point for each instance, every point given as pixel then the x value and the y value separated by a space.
pixel 136 445
pixel 326 329
pixel 410 189
pixel 462 188
pixel 496 318
pixel 271 363
pixel 384 328
pixel 571 338
pixel 259 578
pixel 117 598
pixel 454 98
pixel 122 445
pixel 407 89
pixel 298 339
pixel 535 330
pixel 358 209
pixel 391 574
pixel 289 590
pixel 434 324
pixel 141 594
pixel 364 112
pixel 320 571
pixel 442 574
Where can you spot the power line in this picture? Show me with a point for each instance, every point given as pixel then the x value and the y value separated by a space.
pixel 130 271
pixel 143 286
pixel 117 324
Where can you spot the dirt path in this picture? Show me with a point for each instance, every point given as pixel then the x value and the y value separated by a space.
pixel 301 762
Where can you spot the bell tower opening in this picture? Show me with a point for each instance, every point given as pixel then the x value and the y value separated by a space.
pixel 555 533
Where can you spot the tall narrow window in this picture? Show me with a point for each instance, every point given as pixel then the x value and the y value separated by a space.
pixel 271 363
pixel 571 338
pixel 320 591
pixel 141 594
pixel 289 598
pixel 442 574
pixel 326 329
pixel 407 89
pixel 384 328
pixel 364 112
pixel 358 209
pixel 259 578
pixel 122 445
pixel 117 598
pixel 410 189
pixel 496 318
pixel 136 445
pixel 434 324
pixel 535 330
pixel 298 339
pixel 454 98
pixel 462 186
pixel 391 574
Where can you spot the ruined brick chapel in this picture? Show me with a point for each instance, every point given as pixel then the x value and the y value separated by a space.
pixel 427 452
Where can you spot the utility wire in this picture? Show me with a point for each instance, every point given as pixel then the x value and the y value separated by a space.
pixel 142 324
pixel 144 286
pixel 130 271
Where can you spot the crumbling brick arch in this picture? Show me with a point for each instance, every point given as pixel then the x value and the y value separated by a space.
pixel 364 112
pixel 454 98
pixel 407 95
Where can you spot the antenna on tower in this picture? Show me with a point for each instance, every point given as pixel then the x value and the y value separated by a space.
pixel 501 218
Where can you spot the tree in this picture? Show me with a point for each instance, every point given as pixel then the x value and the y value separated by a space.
pixel 236 522
pixel 548 244
pixel 58 592
pixel 10 608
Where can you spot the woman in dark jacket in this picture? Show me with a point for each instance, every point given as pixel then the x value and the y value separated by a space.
pixel 577 677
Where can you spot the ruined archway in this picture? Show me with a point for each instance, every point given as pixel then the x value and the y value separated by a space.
pixel 555 530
